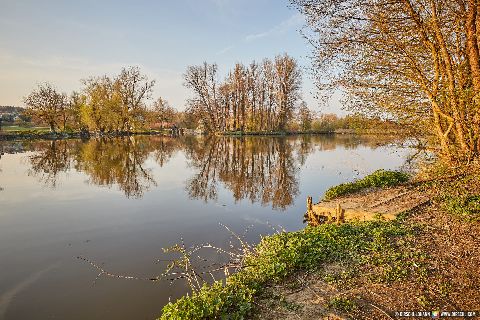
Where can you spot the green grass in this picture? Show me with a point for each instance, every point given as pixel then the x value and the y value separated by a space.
pixel 379 178
pixel 23 128
pixel 281 255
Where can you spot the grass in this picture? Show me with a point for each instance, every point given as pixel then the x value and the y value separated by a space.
pixel 377 179
pixel 460 195
pixel 21 129
pixel 280 255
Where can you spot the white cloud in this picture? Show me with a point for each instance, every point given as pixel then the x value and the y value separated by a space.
pixel 294 21
pixel 225 50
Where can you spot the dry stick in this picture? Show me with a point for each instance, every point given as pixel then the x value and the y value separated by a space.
pixel 182 268
pixel 109 274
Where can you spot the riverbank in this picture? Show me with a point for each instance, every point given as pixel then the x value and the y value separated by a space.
pixel 48 135
pixel 45 134
pixel 382 132
pixel 426 259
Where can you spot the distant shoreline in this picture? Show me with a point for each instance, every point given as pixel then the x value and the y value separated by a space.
pixel 42 135
pixel 28 135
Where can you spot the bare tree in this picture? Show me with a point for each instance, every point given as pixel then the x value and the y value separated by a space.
pixel 203 81
pixel 134 89
pixel 46 104
pixel 254 98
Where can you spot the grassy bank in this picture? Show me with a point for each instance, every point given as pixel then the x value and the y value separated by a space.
pixel 45 133
pixel 360 270
pixel 378 179
pixel 278 256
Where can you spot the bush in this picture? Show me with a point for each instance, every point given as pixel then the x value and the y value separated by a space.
pixel 379 178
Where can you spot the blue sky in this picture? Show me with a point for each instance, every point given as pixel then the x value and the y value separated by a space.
pixel 64 41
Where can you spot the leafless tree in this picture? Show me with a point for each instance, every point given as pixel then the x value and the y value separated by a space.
pixel 259 97
pixel 46 104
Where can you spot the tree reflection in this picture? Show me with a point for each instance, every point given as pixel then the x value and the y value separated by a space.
pixel 50 159
pixel 119 162
pixel 259 169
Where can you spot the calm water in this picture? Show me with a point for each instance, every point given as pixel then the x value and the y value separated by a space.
pixel 120 201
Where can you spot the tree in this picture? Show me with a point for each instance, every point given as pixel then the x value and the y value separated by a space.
pixel 74 111
pixel 163 112
pixel 305 117
pixel 134 89
pixel 109 104
pixel 47 105
pixel 254 98
pixel 203 81
pixel 102 107
pixel 417 60
pixel 288 88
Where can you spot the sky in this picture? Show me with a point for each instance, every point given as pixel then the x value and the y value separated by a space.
pixel 61 42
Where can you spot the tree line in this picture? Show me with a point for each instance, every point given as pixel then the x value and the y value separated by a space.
pixel 416 60
pixel 258 97
pixel 104 104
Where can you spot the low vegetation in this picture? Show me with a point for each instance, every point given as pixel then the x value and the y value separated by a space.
pixel 378 179
pixel 467 207
pixel 280 255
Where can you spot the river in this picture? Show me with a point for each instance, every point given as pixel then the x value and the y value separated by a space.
pixel 118 202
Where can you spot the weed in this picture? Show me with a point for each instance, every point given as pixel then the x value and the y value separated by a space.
pixel 466 206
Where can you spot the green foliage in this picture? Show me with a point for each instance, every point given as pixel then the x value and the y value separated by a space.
pixel 379 178
pixel 342 304
pixel 282 254
pixel 232 301
pixel 466 206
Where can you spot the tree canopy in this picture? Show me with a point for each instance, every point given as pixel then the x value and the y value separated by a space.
pixel 416 60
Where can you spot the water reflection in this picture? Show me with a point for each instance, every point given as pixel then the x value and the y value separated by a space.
pixel 50 159
pixel 177 178
pixel 261 169
pixel 118 162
